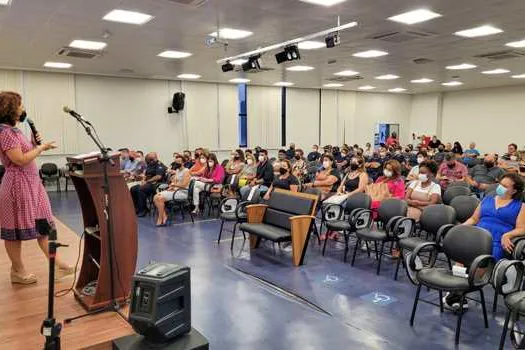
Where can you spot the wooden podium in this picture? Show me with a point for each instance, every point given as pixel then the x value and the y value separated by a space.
pixel 86 172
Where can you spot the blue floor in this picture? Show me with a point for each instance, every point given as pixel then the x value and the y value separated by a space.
pixel 324 304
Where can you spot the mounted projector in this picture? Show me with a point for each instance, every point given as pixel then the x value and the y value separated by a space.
pixel 254 63
pixel 227 67
pixel 290 53
pixel 333 40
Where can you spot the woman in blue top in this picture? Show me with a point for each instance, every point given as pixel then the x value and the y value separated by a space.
pixel 502 215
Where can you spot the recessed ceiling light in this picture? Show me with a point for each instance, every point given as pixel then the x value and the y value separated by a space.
pixel 88 45
pixel 239 62
pixel 188 76
pixel 496 71
pixel 366 87
pixel 517 44
pixel 233 34
pixel 60 65
pixel 333 85
pixel 519 76
pixel 311 45
pixel 421 81
pixel 452 83
pixel 5 2
pixel 326 3
pixel 461 66
pixel 370 54
pixel 478 31
pixel 299 68
pixel 416 16
pixel 174 54
pixel 283 83
pixel 240 80
pixel 346 73
pixel 387 77
pixel 129 17
pixel 397 89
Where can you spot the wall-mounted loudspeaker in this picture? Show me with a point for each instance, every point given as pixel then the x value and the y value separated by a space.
pixel 177 103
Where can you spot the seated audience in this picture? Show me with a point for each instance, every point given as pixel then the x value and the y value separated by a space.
pixel 126 162
pixel 423 191
pixel 236 163
pixel 177 189
pixel 354 182
pixel 290 152
pixel 285 180
pixel 213 176
pixel 392 140
pixel 450 171
pixel 154 174
pixel 434 143
pixel 299 165
pixel 199 167
pixel 314 155
pixel 448 147
pixel 510 160
pixel 188 162
pixel 249 171
pixel 414 172
pixel 327 179
pixel 375 164
pixel 343 160
pixel 368 152
pixel 471 152
pixel 282 155
pixel 264 175
pixel 392 177
pixel 457 149
pixel 484 175
pixel 439 156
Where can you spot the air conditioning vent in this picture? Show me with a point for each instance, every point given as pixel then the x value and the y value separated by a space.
pixel 191 3
pixel 422 60
pixel 76 53
pixel 401 37
pixel 502 55
pixel 346 79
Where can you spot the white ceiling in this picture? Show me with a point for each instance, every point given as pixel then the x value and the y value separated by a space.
pixel 32 31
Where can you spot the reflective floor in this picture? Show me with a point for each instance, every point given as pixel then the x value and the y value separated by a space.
pixel 257 300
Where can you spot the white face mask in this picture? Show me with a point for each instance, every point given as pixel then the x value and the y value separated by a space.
pixel 423 177
pixel 387 173
pixel 513 158
pixel 326 165
pixel 203 160
pixel 249 162
pixel 211 164
pixel 138 159
pixel 420 160
pixel 261 158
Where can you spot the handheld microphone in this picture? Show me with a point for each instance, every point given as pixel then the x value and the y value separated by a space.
pixel 75 115
pixel 33 130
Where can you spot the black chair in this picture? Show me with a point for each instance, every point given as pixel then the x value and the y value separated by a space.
pixel 453 192
pixel 356 218
pixel 465 207
pixel 434 221
pixel 50 172
pixel 470 246
pixel 459 183
pixel 317 192
pixel 181 204
pixel 391 216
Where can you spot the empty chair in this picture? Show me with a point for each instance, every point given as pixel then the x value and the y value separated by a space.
pixel 470 246
pixel 50 172
pixel 357 218
pixel 391 214
pixel 465 206
pixel 453 192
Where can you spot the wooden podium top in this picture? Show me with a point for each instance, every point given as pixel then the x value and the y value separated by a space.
pixel 90 164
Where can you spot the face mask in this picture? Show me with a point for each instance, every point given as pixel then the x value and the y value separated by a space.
pixel 138 159
pixel 513 158
pixel 283 171
pixel 398 152
pixel 211 164
pixel 501 191
pixel 249 162
pixel 423 177
pixel 387 173
pixel 420 160
pixel 314 150
pixel 343 155
pixel 151 161
pixel 23 116
pixel 326 165
pixel 451 166
pixel 354 166
pixel 489 164
pixel 297 157
pixel 261 158
pixel 203 160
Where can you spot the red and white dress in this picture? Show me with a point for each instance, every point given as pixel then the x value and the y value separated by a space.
pixel 23 198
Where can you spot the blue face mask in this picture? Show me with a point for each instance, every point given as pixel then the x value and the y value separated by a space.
pixel 501 191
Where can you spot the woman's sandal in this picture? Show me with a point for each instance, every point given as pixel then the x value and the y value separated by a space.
pixel 25 279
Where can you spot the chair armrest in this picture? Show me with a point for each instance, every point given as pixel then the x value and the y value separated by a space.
pixel 301 217
pixel 389 227
pixel 255 213
pixel 433 247
pixel 442 232
pixel 398 226
pixel 519 248
pixel 325 210
pixel 162 187
pixel 224 209
pixel 241 207
pixel 361 218
pixel 480 271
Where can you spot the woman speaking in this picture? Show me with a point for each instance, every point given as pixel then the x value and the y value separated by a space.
pixel 22 196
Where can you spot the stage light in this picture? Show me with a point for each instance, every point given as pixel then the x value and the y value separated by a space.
pixel 252 64
pixel 227 67
pixel 332 40
pixel 290 53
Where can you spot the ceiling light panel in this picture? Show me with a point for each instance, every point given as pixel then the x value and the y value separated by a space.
pixel 479 31
pixel 415 16
pixel 88 45
pixel 232 34
pixel 461 66
pixel 452 83
pixel 299 68
pixel 5 2
pixel 496 71
pixel 516 44
pixel 370 54
pixel 346 73
pixel 333 85
pixel 326 3
pixel 366 87
pixel 387 77
pixel 283 83
pixel 421 81
pixel 311 45
pixel 174 54
pixel 130 17
pixel 239 80
pixel 397 89
pixel 519 76
pixel 188 76
pixel 59 65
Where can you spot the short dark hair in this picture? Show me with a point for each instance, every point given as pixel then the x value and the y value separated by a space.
pixel 329 156
pixel 517 182
pixel 514 145
pixel 140 152
pixel 449 156
pixel 123 149
pixel 430 165
pixel 263 151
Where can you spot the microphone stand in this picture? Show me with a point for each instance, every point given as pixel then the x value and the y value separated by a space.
pixel 104 159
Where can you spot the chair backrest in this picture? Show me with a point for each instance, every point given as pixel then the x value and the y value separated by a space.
pixel 464 243
pixel 459 183
pixel 390 208
pixel 455 191
pixel 464 206
pixel 284 204
pixel 49 169
pixel 358 201
pixel 435 216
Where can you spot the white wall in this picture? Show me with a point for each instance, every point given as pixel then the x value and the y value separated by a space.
pixel 302 117
pixel 425 116
pixel 264 116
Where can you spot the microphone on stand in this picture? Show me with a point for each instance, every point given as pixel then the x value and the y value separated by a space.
pixel 33 130
pixel 75 115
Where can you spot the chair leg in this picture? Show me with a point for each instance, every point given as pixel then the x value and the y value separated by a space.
pixel 233 239
pixel 380 257
pixel 377 252
pixel 460 317
pixel 484 307
pixel 316 233
pixel 220 232
pixel 414 308
pixel 495 303
pixel 505 329
pixel 324 245
pixel 181 208
pixel 357 243
pixel 399 259
pixel 441 301
pixel 347 237
pixel 367 249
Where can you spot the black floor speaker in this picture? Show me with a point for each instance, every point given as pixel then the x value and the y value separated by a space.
pixel 161 302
